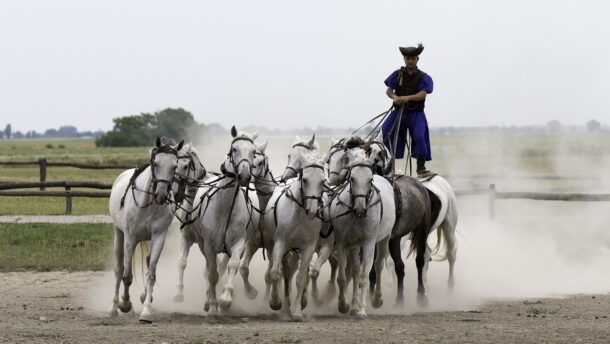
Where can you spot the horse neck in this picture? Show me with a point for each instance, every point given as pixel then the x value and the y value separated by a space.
pixel 144 182
pixel 264 189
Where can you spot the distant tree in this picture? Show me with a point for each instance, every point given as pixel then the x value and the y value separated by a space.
pixel 1 135
pixel 67 131
pixel 174 123
pixel 7 131
pixel 554 126
pixel 18 135
pixel 593 126
pixel 50 133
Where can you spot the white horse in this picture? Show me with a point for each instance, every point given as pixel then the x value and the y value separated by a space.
pixel 225 215
pixel 297 222
pixel 190 172
pixel 362 214
pixel 140 212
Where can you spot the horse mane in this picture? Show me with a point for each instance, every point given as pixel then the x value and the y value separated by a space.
pixel 353 142
pixel 357 156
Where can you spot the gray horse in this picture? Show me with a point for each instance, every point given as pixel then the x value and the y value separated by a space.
pixel 297 222
pixel 140 212
pixel 362 213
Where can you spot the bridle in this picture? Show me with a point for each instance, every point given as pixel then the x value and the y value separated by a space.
pixel 232 162
pixel 354 196
pixel 306 197
pixel 161 150
pixel 300 144
pixel 185 180
pixel 334 149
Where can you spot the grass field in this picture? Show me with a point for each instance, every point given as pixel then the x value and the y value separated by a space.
pixel 45 247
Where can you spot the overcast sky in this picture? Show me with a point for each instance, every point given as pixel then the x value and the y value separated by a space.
pixel 294 63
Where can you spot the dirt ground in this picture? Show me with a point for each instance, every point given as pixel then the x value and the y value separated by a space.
pixel 57 307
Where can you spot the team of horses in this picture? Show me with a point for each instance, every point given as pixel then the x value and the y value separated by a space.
pixel 343 207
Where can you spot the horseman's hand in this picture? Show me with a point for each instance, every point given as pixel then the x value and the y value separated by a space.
pixel 401 100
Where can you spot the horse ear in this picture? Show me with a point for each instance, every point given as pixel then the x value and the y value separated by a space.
pixel 180 145
pixel 263 146
pixel 233 131
pixel 158 142
pixel 312 140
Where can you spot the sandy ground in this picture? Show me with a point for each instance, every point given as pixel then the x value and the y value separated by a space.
pixel 63 307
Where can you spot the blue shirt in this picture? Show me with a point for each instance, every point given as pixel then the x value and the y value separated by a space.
pixel 425 83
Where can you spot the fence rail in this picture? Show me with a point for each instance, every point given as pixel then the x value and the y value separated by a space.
pixel 43 164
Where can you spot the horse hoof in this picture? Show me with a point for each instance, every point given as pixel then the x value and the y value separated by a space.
pixel 125 307
pixel 361 315
pixel 451 283
pixel 297 317
pixel 422 300
pixel 303 301
pixel 178 298
pixel 276 305
pixel 206 307
pixel 377 302
pixel 113 313
pixel 146 317
pixel 251 293
pixel 224 304
pixel 343 308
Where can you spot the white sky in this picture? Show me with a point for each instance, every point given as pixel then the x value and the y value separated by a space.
pixel 294 63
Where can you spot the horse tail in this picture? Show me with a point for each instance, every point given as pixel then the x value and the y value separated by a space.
pixel 140 259
pixel 441 245
pixel 419 237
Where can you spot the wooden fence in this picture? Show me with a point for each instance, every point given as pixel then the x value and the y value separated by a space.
pixel 43 164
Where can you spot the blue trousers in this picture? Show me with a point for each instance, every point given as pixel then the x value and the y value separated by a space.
pixel 417 125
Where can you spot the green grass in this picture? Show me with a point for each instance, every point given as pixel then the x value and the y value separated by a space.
pixel 45 247
pixel 52 205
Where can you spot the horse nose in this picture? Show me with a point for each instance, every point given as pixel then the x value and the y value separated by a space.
pixel 360 213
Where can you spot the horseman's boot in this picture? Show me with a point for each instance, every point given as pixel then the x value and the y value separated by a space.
pixel 422 172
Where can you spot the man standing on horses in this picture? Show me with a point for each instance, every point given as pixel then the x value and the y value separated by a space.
pixel 408 87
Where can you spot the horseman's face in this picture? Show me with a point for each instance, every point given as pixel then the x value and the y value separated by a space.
pixel 411 61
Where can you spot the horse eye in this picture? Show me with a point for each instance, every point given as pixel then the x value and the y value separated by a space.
pixel 305 181
pixel 184 167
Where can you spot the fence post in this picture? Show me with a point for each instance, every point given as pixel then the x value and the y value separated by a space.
pixel 42 162
pixel 68 200
pixel 492 201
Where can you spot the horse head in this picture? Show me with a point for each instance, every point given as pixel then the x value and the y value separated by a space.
pixel 312 179
pixel 360 180
pixel 295 158
pixel 241 156
pixel 163 162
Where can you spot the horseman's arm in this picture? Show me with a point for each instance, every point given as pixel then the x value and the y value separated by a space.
pixel 390 93
pixel 421 95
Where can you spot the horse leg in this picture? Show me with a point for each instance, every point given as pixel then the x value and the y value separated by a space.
pixel 372 278
pixel 300 301
pixel 129 246
pixel 186 242
pixel 323 254
pixel 449 232
pixel 354 266
pixel 156 246
pixel 244 269
pixel 368 256
pixel 331 286
pixel 289 267
pixel 274 273
pixel 118 270
pixel 212 276
pixel 420 260
pixel 143 295
pixel 341 279
pixel 399 269
pixel 268 280
pixel 380 256
pixel 226 298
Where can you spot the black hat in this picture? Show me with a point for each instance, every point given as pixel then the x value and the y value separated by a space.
pixel 411 51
